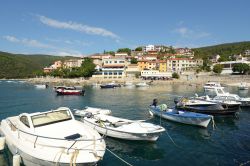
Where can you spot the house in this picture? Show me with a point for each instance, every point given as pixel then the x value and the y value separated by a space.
pixel 132 70
pixel 121 54
pixel 247 52
pixel 73 63
pixel 214 58
pixel 56 65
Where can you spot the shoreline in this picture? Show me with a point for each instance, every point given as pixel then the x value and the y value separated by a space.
pixel 229 80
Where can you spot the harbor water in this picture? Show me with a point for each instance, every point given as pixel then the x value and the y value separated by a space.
pixel 228 144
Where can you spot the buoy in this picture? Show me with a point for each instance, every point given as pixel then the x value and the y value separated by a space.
pixel 2 143
pixel 16 160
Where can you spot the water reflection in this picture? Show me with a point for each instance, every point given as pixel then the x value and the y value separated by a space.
pixel 135 149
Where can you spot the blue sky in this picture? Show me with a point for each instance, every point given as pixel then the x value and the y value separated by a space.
pixel 81 27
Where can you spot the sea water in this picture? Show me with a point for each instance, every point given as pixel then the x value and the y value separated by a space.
pixel 228 144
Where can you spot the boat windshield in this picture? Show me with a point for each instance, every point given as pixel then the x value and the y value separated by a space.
pixel 50 117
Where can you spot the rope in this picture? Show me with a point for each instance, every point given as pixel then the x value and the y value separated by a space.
pixel 213 123
pixel 73 158
pixel 119 157
pixel 172 140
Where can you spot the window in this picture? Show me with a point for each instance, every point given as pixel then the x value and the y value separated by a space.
pixel 24 120
pixel 50 118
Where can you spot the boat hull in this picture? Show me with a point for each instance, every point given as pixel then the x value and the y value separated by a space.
pixel 208 111
pixel 80 92
pixel 195 119
pixel 121 134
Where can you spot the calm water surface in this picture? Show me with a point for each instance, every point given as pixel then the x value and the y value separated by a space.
pixel 228 144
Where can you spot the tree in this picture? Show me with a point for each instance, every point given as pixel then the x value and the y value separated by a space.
pixel 127 50
pixel 217 68
pixel 175 75
pixel 242 68
pixel 109 52
pixel 133 60
pixel 138 49
pixel 88 67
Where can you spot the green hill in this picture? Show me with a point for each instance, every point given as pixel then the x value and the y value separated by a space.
pixel 23 66
pixel 225 50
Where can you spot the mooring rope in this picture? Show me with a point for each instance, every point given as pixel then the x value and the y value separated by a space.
pixel 119 157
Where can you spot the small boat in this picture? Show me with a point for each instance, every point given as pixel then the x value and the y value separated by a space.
pixel 123 128
pixel 142 84
pixel 181 116
pixel 210 85
pixel 223 100
pixel 92 110
pixel 69 91
pixel 245 102
pixel 106 86
pixel 52 138
pixel 202 106
pixel 243 86
pixel 41 86
pixel 128 84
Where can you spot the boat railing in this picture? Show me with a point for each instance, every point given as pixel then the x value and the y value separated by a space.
pixel 54 138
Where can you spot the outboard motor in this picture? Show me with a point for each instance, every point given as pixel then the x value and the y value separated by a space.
pixel 88 115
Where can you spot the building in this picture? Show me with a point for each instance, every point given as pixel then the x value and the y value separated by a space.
pixel 215 58
pixel 142 64
pixel 247 52
pixel 183 64
pixel 112 69
pixel 132 70
pixel 121 54
pixel 156 48
pixel 155 74
pixel 228 65
pixel 56 65
pixel 184 52
pixel 73 63
pixel 162 66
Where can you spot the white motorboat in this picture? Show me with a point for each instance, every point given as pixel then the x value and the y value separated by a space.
pixel 128 84
pixel 41 86
pixel 223 100
pixel 244 101
pixel 142 84
pixel 92 110
pixel 181 116
pixel 52 138
pixel 243 86
pixel 124 128
pixel 210 85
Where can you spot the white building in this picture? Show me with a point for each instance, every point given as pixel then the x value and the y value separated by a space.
pixel 183 64
pixel 111 69
pixel 154 74
pixel 228 65
pixel 73 63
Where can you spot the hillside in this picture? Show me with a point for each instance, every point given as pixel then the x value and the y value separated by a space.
pixel 224 50
pixel 23 66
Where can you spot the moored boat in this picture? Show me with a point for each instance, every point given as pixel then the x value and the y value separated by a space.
pixel 92 110
pixel 181 116
pixel 202 106
pixel 243 86
pixel 52 138
pixel 41 86
pixel 142 84
pixel 69 91
pixel 245 102
pixel 124 128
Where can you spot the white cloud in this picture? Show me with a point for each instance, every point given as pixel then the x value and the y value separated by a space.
pixel 191 33
pixel 77 27
pixel 47 49
pixel 27 42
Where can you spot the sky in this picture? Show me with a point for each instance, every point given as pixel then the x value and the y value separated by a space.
pixel 84 27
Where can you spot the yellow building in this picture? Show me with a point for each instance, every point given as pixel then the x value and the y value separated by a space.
pixel 142 64
pixel 162 66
